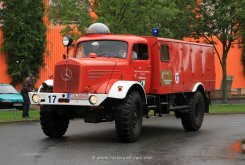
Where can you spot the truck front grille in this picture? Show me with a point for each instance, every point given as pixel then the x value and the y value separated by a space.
pixel 66 78
pixel 96 74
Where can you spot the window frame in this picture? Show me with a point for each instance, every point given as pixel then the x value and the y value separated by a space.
pixel 167 50
pixel 137 51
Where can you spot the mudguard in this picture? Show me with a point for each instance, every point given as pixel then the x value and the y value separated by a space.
pixel 194 89
pixel 49 82
pixel 120 89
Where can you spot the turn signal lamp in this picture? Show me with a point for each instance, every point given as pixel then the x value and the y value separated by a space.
pixel 120 88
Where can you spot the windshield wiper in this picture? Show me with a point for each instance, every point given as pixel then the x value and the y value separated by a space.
pixel 117 56
pixel 101 54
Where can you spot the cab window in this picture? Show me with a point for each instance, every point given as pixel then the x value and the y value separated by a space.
pixel 140 52
pixel 164 53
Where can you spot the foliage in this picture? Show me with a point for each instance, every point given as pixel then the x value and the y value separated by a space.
pixel 75 14
pixel 139 16
pixel 242 12
pixel 223 20
pixel 24 37
pixel 122 17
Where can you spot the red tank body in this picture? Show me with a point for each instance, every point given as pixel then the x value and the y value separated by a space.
pixel 188 64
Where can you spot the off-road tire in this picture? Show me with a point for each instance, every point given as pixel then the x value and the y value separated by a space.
pixel 128 117
pixel 192 120
pixel 53 125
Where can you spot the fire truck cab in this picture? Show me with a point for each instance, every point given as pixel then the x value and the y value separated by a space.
pixel 123 78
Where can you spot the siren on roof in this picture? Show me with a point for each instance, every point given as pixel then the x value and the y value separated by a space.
pixel 98 28
pixel 155 32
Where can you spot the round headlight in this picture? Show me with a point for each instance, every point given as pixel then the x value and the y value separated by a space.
pixel 36 98
pixel 93 99
pixel 67 40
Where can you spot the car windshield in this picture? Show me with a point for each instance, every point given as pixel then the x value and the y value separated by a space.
pixel 6 89
pixel 102 48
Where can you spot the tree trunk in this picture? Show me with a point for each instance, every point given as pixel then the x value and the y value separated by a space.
pixel 224 77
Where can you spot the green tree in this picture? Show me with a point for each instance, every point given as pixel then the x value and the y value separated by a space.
pixel 75 14
pixel 242 21
pixel 24 37
pixel 139 16
pixel 223 20
pixel 122 17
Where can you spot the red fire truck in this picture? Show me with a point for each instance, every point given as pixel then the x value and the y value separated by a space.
pixel 123 78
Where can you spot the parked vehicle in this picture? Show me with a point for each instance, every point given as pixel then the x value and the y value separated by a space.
pixel 10 97
pixel 122 78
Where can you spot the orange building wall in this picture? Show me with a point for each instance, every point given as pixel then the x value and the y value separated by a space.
pixel 234 67
pixel 54 53
pixel 4 77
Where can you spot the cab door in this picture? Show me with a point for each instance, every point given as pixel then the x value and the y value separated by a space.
pixel 141 65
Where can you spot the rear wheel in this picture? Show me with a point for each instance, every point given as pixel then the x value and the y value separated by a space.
pixel 192 120
pixel 129 116
pixel 53 124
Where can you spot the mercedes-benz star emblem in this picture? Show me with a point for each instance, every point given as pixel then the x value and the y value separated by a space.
pixel 66 74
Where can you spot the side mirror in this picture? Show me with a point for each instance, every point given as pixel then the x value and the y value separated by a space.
pixel 67 40
pixel 50 76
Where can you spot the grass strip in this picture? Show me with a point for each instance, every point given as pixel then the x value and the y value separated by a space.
pixel 16 115
pixel 227 108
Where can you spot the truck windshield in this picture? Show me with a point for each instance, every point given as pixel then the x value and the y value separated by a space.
pixel 102 48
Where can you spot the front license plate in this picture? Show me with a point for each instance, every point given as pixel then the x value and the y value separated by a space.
pixel 17 104
pixel 78 96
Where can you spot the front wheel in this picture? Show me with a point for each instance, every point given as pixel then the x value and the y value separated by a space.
pixel 129 116
pixel 192 120
pixel 53 124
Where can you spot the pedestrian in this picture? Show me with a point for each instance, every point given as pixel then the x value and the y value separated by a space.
pixel 27 86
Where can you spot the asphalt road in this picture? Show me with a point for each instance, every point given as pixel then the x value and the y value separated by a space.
pixel 163 141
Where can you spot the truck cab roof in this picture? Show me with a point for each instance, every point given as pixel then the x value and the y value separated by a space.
pixel 126 38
